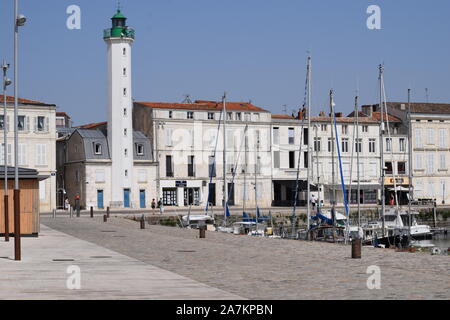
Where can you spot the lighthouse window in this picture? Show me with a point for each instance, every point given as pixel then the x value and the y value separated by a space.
pixel 125 112
pixel 126 173
pixel 124 51
pixel 140 149
pixel 125 132
pixel 124 92
pixel 124 71
pixel 126 152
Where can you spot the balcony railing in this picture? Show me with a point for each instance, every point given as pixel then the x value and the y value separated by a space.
pixel 125 33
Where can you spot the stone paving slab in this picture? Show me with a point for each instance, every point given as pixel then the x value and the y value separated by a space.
pixel 105 274
pixel 263 268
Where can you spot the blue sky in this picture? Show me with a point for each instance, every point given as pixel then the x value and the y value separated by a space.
pixel 255 50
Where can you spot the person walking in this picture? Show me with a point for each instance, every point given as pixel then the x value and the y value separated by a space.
pixel 153 206
pixel 161 207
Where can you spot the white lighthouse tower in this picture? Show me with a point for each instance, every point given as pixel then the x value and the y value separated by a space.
pixel 119 39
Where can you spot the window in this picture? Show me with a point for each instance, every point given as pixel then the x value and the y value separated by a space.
pixel 388 144
pixel 430 164
pixel 190 115
pixel 247 117
pixel 330 144
pixel 22 154
pixel 212 166
pixel 276 159
pixel 97 148
pixel 372 143
pixel 140 149
pixel 125 152
pixel 344 145
pixel 125 132
pixel 442 140
pixel 365 128
pixel 124 72
pixel 344 129
pixel 41 154
pixel 2 122
pixel 170 114
pixel 8 154
pixel 419 161
pixel 401 168
pixel 126 173
pixel 125 112
pixel 388 167
pixel 291 159
pixel 402 144
pixel 99 175
pixel 323 127
pixel 305 136
pixel 442 162
pixel 317 144
pixel 358 145
pixel 238 116
pixel 418 136
pixel 169 141
pixel 191 166
pixel 169 166
pixel 210 115
pixel 124 92
pixel 124 51
pixel 305 160
pixel 373 169
pixel 430 136
pixel 229 115
pixel 21 123
pixel 291 136
pixel 276 135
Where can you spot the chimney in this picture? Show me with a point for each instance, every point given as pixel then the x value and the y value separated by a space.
pixel 339 114
pixel 368 110
pixel 300 115
pixel 322 114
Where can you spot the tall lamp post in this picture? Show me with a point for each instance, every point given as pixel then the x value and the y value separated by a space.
pixel 6 83
pixel 19 21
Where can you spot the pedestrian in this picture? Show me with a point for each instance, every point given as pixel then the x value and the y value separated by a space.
pixel 313 202
pixel 153 206
pixel 392 201
pixel 66 204
pixel 160 206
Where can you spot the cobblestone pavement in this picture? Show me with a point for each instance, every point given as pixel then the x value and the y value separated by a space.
pixel 104 274
pixel 263 268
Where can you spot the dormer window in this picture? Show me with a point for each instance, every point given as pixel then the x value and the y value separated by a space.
pixel 140 149
pixel 190 115
pixel 97 148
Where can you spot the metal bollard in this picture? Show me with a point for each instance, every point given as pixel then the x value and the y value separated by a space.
pixel 202 231
pixel 105 218
pixel 70 212
pixel 92 212
pixel 356 248
pixel 142 221
pixel 107 212
pixel 54 213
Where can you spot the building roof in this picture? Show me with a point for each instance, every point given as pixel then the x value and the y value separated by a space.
pixel 10 99
pixel 63 114
pixel 420 107
pixel 204 105
pixel 24 173
pixel 283 116
pixel 92 125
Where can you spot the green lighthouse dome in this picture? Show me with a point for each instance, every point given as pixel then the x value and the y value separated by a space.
pixel 119 28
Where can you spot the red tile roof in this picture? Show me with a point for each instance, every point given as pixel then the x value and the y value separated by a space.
pixel 377 117
pixel 92 125
pixel 420 107
pixel 204 105
pixel 10 99
pixel 63 114
pixel 283 116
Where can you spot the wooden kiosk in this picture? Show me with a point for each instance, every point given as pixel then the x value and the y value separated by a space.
pixel 29 201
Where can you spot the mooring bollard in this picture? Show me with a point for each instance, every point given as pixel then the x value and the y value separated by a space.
pixel 92 212
pixel 54 213
pixel 356 248
pixel 105 218
pixel 107 212
pixel 202 231
pixel 70 212
pixel 142 222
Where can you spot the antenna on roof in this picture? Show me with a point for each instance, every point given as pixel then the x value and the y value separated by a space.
pixel 284 108
pixel 187 99
pixel 426 94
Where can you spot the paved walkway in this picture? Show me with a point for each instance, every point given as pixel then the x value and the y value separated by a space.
pixel 263 268
pixel 105 274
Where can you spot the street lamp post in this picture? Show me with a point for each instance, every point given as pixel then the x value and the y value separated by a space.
pixel 6 83
pixel 19 21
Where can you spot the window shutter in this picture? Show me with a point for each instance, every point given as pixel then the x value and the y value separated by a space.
pixel 36 124
pixel 169 137
pixel 27 120
pixel 276 159
pixel 9 154
pixel 418 138
pixel 7 123
pixel 47 129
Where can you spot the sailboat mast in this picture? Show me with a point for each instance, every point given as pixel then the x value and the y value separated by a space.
pixel 308 208
pixel 225 187
pixel 383 196
pixel 409 165
pixel 333 199
pixel 357 161
pixel 316 127
pixel 245 171
pixel 256 178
